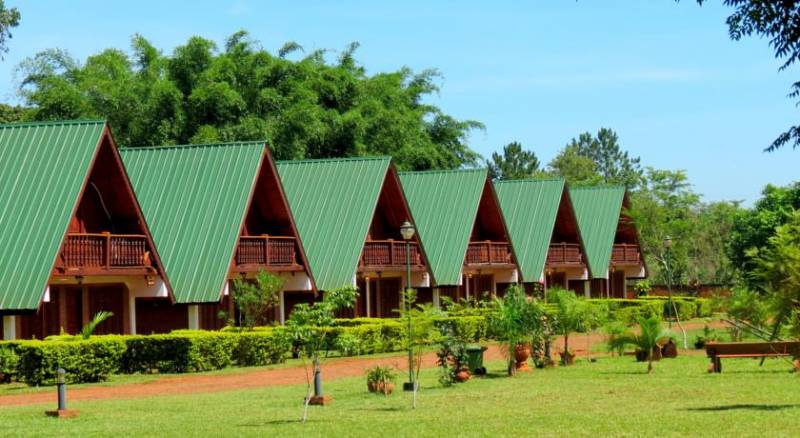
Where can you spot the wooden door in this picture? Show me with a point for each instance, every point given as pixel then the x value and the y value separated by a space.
pixel 111 299
pixel 389 297
pixel 618 284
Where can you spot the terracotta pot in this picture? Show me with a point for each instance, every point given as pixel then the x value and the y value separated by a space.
pixel 381 387
pixel 462 375
pixel 567 358
pixel 521 355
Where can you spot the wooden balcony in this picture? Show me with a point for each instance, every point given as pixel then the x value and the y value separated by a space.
pixel 625 254
pixel 104 253
pixel 276 253
pixel 383 254
pixel 488 253
pixel 564 254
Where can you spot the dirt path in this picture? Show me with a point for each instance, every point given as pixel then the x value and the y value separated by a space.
pixel 332 369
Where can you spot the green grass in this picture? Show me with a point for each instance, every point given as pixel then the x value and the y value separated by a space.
pixel 609 397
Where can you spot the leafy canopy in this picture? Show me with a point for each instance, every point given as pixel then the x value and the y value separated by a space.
pixel 305 108
pixel 514 163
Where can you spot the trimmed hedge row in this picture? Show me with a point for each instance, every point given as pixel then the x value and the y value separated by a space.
pixel 95 359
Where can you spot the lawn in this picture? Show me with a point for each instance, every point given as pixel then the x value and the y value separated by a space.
pixel 610 397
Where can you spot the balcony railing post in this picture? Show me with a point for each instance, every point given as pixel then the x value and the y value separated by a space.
pixel 266 250
pixel 108 250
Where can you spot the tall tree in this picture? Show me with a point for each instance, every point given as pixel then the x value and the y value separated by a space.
pixel 752 229
pixel 612 163
pixel 515 163
pixel 9 18
pixel 778 21
pixel 575 168
pixel 306 108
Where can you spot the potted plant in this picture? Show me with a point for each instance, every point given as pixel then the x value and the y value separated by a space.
pixel 572 315
pixel 453 359
pixel 381 380
pixel 515 321
pixel 647 340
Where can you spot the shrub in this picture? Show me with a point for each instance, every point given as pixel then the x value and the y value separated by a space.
pixel 90 360
pixel 261 348
pixel 8 363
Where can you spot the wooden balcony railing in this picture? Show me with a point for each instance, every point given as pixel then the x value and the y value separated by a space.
pixel 105 251
pixel 488 252
pixel 267 251
pixel 564 254
pixel 384 253
pixel 625 253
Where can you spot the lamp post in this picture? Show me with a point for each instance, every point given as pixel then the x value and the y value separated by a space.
pixel 407 231
pixel 668 272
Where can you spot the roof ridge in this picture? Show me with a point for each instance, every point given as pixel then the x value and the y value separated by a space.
pixel 51 123
pixel 521 180
pixel 194 145
pixel 333 159
pixel 599 186
pixel 421 172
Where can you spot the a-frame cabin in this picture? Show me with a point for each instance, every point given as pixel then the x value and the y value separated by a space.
pixel 463 231
pixel 610 237
pixel 545 233
pixel 74 239
pixel 217 212
pixel 349 212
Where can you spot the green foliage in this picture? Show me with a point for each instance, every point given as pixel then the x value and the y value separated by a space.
pixel 255 299
pixel 85 360
pixel 614 165
pixel 747 306
pixel 309 325
pixel 642 287
pixel 777 270
pixel 516 320
pixel 514 163
pixel 305 108
pixel 9 17
pixel 91 326
pixel 380 377
pixel 752 229
pixel 665 205
pixel 614 331
pixel 646 339
pixel 573 314
pixel 8 363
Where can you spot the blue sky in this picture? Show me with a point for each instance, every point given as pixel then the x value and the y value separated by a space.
pixel 664 75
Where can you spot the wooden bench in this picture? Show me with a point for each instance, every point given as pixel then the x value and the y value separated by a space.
pixel 730 350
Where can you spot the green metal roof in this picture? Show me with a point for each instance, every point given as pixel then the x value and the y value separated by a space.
pixel 530 208
pixel 194 200
pixel 597 210
pixel 43 168
pixel 333 202
pixel 444 205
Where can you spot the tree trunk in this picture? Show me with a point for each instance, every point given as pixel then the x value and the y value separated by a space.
pixel 650 362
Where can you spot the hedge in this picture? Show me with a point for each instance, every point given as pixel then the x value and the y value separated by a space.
pixel 95 359
pixel 90 360
pixel 35 362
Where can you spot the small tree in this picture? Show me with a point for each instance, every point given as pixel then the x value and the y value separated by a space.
pixel 516 320
pixel 309 326
pixel 572 314
pixel 255 299
pixel 421 332
pixel 650 334
pixel 777 269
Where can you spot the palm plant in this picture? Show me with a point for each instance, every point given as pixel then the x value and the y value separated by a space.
pixel 88 330
pixel 651 332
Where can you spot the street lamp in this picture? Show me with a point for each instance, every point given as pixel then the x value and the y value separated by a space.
pixel 407 231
